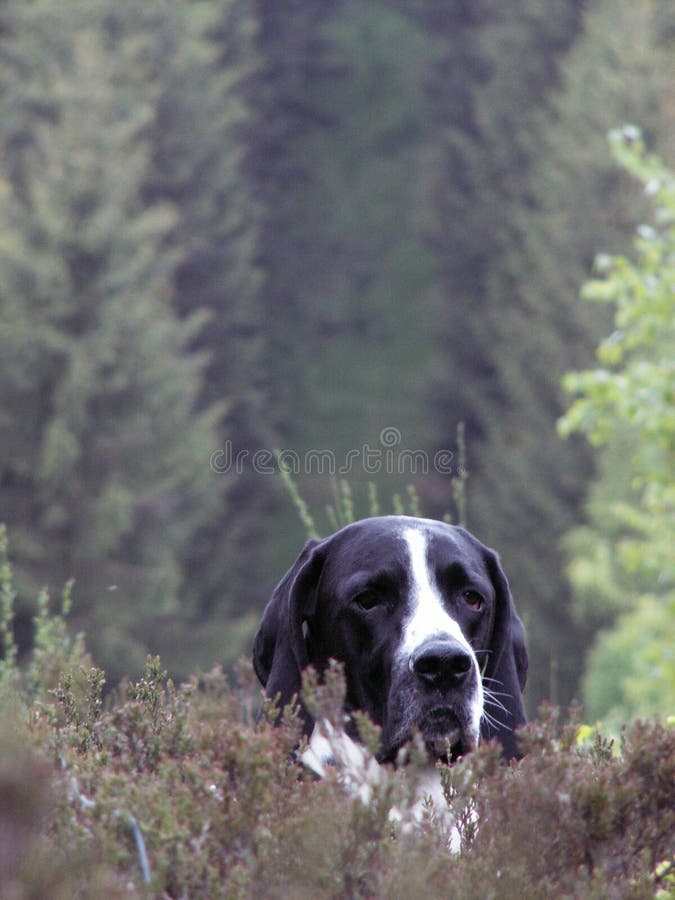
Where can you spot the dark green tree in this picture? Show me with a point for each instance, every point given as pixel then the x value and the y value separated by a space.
pixel 491 90
pixel 291 56
pixel 369 298
pixel 193 65
pixel 349 283
pixel 539 176
pixel 104 466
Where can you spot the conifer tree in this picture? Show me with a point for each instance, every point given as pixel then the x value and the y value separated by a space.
pixel 291 56
pixel 348 281
pixel 555 214
pixel 104 468
pixel 491 92
pixel 192 65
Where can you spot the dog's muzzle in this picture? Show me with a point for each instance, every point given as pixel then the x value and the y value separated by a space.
pixel 445 679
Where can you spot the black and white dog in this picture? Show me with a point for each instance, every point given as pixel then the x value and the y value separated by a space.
pixel 421 616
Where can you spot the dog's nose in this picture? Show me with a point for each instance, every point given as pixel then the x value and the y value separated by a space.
pixel 441 664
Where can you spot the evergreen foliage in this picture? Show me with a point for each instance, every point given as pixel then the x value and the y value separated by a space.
pixel 366 364
pixel 292 54
pixel 561 202
pixel 103 467
pixel 493 92
pixel 191 65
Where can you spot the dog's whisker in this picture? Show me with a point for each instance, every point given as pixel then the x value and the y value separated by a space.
pixel 491 695
pixel 490 701
pixel 491 721
pixel 502 708
pixel 496 693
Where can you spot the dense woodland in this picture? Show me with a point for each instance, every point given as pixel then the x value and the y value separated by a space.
pixel 230 226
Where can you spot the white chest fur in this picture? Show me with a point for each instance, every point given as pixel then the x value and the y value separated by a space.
pixel 330 749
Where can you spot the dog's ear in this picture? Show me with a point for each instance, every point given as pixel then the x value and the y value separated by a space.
pixel 506 668
pixel 279 647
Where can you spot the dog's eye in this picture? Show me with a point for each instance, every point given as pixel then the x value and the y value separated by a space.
pixel 368 600
pixel 473 599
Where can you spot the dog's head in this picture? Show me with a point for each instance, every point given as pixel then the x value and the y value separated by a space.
pixel 421 616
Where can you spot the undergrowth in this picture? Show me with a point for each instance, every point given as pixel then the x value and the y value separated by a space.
pixel 184 791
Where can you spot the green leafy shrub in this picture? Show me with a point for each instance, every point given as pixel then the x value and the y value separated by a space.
pixel 621 565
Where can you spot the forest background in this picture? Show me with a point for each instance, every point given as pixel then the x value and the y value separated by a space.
pixel 342 229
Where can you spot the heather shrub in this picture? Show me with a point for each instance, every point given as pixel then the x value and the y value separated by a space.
pixel 195 790
pixel 180 792
pixel 568 819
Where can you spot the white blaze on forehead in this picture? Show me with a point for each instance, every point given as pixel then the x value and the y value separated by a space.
pixel 427 617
